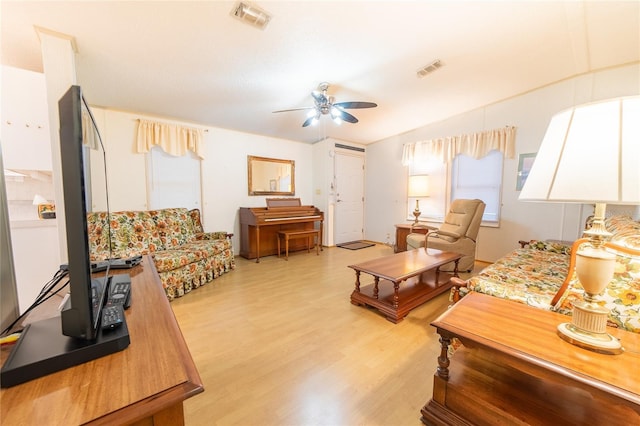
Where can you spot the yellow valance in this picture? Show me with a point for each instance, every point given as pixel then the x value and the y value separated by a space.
pixel 173 139
pixel 89 136
pixel 475 145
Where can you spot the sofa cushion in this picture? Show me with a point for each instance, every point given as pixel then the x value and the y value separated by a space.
pixel 98 236
pixel 551 246
pixel 192 252
pixel 174 227
pixel 132 233
pixel 207 247
pixel 167 260
pixel 625 231
pixel 532 277
pixel 196 221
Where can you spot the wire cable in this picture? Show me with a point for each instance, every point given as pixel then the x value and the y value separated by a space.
pixel 45 294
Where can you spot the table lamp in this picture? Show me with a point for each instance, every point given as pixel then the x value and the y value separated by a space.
pixel 46 210
pixel 590 154
pixel 418 188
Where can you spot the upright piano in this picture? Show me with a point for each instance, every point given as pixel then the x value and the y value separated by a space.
pixel 259 226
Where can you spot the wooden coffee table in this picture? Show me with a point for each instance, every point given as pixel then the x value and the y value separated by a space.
pixel 418 272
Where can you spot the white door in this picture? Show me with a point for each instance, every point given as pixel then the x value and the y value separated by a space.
pixel 349 211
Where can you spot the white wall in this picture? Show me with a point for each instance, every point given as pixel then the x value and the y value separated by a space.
pixel 225 174
pixel 530 113
pixel 224 169
pixel 26 147
pixel 24 120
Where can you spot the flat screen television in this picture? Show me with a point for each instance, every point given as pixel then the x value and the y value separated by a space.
pixel 80 315
pixel 75 337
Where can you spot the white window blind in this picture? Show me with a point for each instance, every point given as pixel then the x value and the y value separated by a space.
pixel 479 178
pixel 173 181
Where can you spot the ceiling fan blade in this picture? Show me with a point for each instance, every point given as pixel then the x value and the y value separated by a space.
pixel 294 109
pixel 308 121
pixel 356 104
pixel 345 116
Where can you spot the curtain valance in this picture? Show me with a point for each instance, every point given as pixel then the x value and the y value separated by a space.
pixel 173 139
pixel 89 136
pixel 475 145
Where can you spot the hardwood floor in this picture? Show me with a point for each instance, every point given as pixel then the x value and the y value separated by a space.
pixel 279 343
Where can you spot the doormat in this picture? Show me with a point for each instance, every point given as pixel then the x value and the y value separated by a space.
pixel 355 245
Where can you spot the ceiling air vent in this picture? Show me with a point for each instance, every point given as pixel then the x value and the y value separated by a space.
pixel 422 72
pixel 251 14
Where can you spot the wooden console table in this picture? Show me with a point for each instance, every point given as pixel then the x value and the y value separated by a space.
pixel 146 383
pixel 514 369
pixel 417 271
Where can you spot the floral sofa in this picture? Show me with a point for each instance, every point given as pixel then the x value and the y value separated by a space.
pixel 537 275
pixel 185 256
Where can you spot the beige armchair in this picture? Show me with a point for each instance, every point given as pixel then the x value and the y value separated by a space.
pixel 458 233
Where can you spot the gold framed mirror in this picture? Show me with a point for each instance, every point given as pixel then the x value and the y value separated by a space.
pixel 271 176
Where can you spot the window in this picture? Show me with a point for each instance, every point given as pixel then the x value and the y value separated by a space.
pixel 172 181
pixel 482 178
pixel 465 177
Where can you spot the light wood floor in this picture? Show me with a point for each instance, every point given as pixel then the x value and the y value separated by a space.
pixel 279 343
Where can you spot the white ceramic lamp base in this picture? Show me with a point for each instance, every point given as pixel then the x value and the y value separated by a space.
pixel 588 330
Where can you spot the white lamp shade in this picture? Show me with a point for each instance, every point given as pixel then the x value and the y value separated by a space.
pixel 418 186
pixel 39 199
pixel 590 153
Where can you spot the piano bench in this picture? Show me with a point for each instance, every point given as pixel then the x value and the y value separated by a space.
pixel 309 234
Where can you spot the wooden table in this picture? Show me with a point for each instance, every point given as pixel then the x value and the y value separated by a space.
pixel 146 383
pixel 418 272
pixel 404 229
pixel 514 369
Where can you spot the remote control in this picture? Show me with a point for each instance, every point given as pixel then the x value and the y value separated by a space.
pixel 112 317
pixel 119 291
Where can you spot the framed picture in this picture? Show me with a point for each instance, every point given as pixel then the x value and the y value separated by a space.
pixel 273 185
pixel 524 167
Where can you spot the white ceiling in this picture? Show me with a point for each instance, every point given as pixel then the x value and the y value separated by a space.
pixel 193 61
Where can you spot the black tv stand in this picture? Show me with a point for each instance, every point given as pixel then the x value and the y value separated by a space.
pixel 42 349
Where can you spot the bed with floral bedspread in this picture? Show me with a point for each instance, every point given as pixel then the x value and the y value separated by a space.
pixel 535 276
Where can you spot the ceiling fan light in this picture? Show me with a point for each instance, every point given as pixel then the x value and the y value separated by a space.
pixel 311 113
pixel 337 120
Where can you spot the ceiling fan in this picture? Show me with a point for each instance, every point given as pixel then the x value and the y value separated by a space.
pixel 324 104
